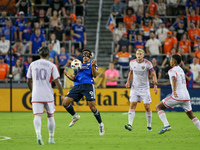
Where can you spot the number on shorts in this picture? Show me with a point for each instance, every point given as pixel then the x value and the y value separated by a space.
pixel 41 74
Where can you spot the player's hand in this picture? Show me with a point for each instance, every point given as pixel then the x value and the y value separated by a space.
pixel 175 94
pixel 155 89
pixel 154 83
pixel 94 61
pixel 66 73
pixel 62 98
pixel 127 85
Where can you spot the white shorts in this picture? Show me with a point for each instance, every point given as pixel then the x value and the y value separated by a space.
pixel 38 108
pixel 137 95
pixel 170 102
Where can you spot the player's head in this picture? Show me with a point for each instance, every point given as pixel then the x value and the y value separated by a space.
pixel 140 54
pixel 43 52
pixel 175 60
pixel 87 54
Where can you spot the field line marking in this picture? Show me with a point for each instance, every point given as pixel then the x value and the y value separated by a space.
pixel 5 138
pixel 125 113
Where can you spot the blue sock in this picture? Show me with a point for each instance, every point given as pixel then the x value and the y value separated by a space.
pixel 97 116
pixel 70 109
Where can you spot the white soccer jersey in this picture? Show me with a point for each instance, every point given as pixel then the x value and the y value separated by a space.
pixel 181 89
pixel 140 73
pixel 42 73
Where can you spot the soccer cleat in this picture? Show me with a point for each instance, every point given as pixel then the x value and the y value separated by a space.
pixel 128 127
pixel 75 118
pixel 101 129
pixel 149 129
pixel 39 140
pixel 51 142
pixel 166 128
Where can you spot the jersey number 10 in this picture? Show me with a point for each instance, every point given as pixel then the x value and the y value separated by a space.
pixel 41 74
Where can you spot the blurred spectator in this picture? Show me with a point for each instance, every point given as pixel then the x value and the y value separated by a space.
pixel 129 18
pixel 169 43
pixel 20 21
pixel 153 47
pixel 156 68
pixel 189 77
pixel 185 44
pixel 3 20
pixel 18 48
pixel 180 30
pixel 53 54
pixel 4 46
pixel 137 6
pixel 162 33
pixel 55 42
pixel 193 17
pixel 132 33
pixel 156 21
pixel 42 19
pixel 118 10
pixel 118 32
pixel 123 42
pixel 192 4
pixel 175 24
pixel 111 76
pixel 55 19
pixel 13 58
pixel 6 31
pixel 36 41
pixel 37 25
pixel 26 66
pixel 195 68
pixel 78 56
pixel 193 32
pixel 139 43
pixel 197 49
pixel 146 29
pixel 146 17
pixel 79 6
pixel 4 70
pixel 17 71
pixel 152 7
pixel 72 19
pixel 25 31
pixel 172 6
pixel 25 6
pixel 162 10
pixel 63 59
pixel 67 27
pixel 57 5
pixel 79 32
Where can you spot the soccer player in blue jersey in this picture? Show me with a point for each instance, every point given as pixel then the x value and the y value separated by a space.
pixel 83 86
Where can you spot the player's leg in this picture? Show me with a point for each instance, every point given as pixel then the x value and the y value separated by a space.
pixel 97 115
pixel 50 109
pixel 38 111
pixel 148 116
pixel 188 109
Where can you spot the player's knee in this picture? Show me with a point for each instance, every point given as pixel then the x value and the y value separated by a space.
pixel 49 115
pixel 93 108
pixel 147 108
pixel 65 103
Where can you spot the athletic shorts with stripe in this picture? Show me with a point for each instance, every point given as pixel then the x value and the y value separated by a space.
pixel 38 108
pixel 171 102
pixel 137 94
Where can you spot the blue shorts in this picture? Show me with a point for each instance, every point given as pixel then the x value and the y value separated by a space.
pixel 78 91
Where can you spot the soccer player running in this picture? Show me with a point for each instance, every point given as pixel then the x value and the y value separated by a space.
pixel 180 95
pixel 39 76
pixel 83 86
pixel 139 69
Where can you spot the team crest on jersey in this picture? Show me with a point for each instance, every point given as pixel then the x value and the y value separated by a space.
pixel 143 67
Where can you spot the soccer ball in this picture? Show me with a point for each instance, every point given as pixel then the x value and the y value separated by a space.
pixel 76 64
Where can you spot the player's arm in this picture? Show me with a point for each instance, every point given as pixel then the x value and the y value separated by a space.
pixel 29 83
pixel 130 76
pixel 188 77
pixel 153 74
pixel 59 86
pixel 71 77
pixel 94 71
pixel 161 84
pixel 174 86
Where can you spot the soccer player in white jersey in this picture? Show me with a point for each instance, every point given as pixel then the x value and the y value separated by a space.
pixel 139 69
pixel 180 95
pixel 39 76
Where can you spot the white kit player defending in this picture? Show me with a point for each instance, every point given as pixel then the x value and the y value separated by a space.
pixel 139 69
pixel 39 76
pixel 180 95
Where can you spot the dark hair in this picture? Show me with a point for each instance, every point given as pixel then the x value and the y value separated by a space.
pixel 3 35
pixel 87 51
pixel 177 58
pixel 129 8
pixel 79 50
pixel 43 51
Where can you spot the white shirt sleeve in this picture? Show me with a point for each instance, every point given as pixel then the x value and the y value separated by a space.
pixel 55 73
pixel 147 44
pixel 29 73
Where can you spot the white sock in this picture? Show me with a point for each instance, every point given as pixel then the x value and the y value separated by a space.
pixel 51 127
pixel 163 117
pixel 37 124
pixel 196 122
pixel 131 115
pixel 149 118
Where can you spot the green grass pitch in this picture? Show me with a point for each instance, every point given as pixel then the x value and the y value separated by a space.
pixel 84 135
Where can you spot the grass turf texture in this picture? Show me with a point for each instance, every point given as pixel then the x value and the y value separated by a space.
pixel 84 134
